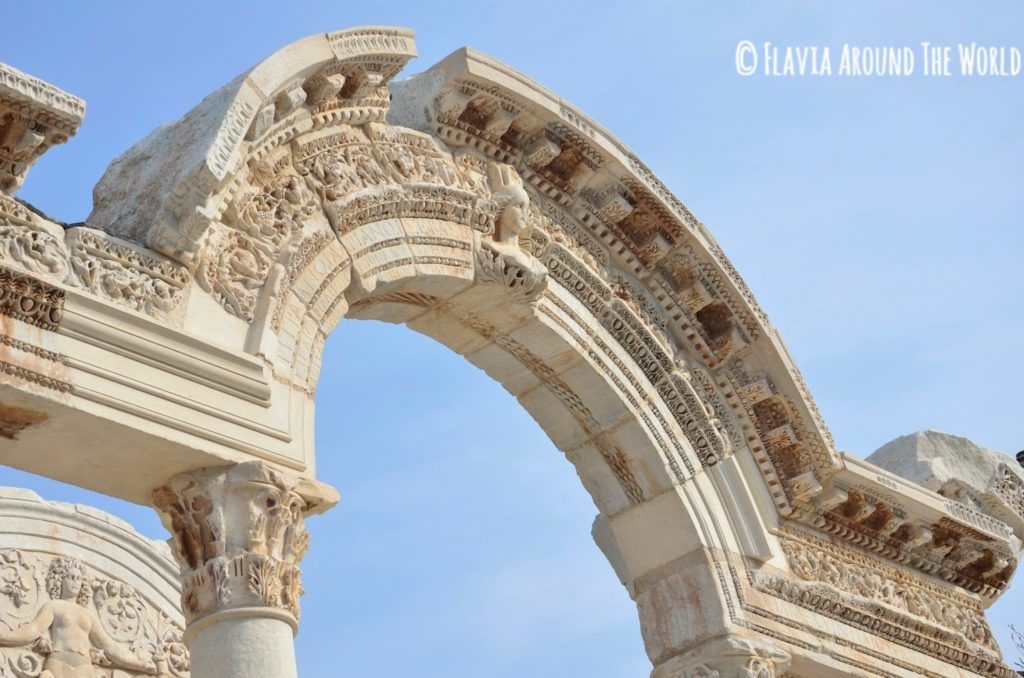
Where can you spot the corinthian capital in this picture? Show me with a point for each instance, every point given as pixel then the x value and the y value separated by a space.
pixel 239 535
pixel 730 657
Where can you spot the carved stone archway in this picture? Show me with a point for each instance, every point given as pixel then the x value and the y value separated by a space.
pixel 179 333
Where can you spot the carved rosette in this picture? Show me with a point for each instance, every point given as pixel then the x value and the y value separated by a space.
pixel 238 534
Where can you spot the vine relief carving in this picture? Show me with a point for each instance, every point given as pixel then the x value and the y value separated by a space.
pixel 119 272
pixel 59 619
pixel 883 584
pixel 885 599
pixel 128 275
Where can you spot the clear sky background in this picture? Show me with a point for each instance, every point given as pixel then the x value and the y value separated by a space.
pixel 877 220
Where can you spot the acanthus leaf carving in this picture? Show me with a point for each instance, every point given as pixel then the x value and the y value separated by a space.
pixel 731 657
pixel 500 260
pixel 239 536
pixel 513 270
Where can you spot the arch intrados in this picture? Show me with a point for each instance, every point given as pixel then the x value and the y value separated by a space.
pixel 505 483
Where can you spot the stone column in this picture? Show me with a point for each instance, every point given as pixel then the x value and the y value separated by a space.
pixel 728 657
pixel 238 535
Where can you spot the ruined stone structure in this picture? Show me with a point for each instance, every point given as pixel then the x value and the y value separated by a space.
pixel 166 351
pixel 63 566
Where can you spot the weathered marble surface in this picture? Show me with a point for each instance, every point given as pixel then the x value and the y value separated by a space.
pixel 958 468
pixel 34 115
pixel 83 594
pixel 179 332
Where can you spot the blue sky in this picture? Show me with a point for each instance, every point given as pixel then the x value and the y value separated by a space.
pixel 877 220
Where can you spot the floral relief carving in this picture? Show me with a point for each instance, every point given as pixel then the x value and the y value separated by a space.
pixel 757 667
pixel 130 276
pixel 30 243
pixel 34 250
pixel 273 222
pixel 30 300
pixel 276 214
pixel 344 168
pixel 59 619
pixel 885 584
pixel 234 272
pixel 17 579
pixel 116 271
pixel 731 657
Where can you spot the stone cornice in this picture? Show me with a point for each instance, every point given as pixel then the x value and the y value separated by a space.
pixel 40 99
pixel 34 115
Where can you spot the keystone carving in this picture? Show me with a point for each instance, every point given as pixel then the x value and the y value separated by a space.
pixel 499 259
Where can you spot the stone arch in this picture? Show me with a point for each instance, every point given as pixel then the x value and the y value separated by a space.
pixel 477 207
pixel 310 206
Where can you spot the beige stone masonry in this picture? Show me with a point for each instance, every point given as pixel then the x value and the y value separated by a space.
pixel 179 332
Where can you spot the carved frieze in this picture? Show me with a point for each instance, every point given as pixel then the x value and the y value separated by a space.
pixel 883 598
pixel 62 619
pixel 307 201
pixel 375 172
pixel 591 203
pixel 116 271
pixel 30 243
pixel 127 275
pixel 866 577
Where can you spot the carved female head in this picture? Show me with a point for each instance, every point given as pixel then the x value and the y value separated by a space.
pixel 512 202
pixel 66 580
